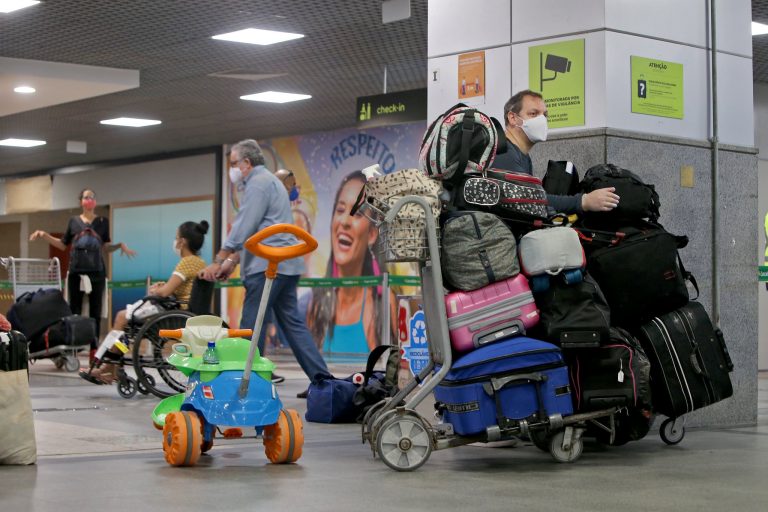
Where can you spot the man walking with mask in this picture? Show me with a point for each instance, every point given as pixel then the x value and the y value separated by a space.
pixel 265 203
pixel 525 119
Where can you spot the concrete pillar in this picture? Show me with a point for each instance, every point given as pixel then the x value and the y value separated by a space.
pixel 655 147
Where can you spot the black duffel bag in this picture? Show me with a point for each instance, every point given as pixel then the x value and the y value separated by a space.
pixel 641 275
pixel 573 315
pixel 72 330
pixel 34 312
pixel 637 200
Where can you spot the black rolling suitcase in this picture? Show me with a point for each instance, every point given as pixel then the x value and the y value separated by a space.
pixel 689 361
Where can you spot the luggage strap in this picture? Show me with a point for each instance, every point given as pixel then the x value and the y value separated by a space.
pixel 467 129
pixel 495 385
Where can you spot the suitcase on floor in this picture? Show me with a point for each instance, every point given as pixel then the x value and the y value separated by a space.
pixel 689 361
pixel 499 384
pixel 614 375
pixel 494 312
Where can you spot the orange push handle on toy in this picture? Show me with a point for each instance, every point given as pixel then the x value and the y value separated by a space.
pixel 231 333
pixel 240 333
pixel 277 254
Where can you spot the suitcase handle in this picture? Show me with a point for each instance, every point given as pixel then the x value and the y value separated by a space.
pixel 499 384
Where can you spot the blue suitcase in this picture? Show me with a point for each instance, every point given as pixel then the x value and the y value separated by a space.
pixel 524 372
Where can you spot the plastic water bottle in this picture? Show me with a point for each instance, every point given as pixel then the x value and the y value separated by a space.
pixel 209 357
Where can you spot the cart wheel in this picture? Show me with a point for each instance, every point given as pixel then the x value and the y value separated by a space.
pixel 283 441
pixel 370 416
pixel 71 363
pixel 670 432
pixel 539 439
pixel 142 388
pixel 59 362
pixel 127 387
pixel 404 443
pixel 562 455
pixel 182 438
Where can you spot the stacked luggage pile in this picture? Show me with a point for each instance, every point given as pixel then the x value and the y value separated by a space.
pixel 557 330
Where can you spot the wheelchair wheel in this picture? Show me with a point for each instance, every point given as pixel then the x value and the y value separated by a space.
pixel 150 353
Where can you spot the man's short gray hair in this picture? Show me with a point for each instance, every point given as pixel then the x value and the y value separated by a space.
pixel 249 149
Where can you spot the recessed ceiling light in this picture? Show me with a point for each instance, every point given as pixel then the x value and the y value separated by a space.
pixel 7 6
pixel 258 36
pixel 21 143
pixel 131 121
pixel 23 89
pixel 275 97
pixel 758 29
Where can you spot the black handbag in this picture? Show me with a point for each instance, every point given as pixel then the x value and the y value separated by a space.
pixel 641 274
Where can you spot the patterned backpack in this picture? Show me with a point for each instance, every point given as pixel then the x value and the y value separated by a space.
pixel 461 140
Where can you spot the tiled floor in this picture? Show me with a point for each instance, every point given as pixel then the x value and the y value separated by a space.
pixel 98 451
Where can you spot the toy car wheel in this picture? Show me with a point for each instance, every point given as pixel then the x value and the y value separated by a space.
pixel 71 363
pixel 206 445
pixel 182 438
pixel 539 439
pixel 561 454
pixel 142 388
pixel 127 387
pixel 284 440
pixel 404 443
pixel 672 431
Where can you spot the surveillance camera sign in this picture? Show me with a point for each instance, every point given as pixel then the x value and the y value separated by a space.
pixel 557 72
pixel 657 87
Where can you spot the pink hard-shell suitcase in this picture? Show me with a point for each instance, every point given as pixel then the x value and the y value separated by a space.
pixel 492 313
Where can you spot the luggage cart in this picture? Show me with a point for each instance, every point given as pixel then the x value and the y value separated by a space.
pixel 29 275
pixel 397 433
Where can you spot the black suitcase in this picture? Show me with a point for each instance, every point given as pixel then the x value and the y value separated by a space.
pixel 72 330
pixel 34 312
pixel 14 352
pixel 614 375
pixel 689 361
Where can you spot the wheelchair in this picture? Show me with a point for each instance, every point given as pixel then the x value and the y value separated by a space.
pixel 149 350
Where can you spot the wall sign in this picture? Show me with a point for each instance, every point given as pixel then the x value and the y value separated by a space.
pixel 557 72
pixel 657 87
pixel 392 108
pixel 471 77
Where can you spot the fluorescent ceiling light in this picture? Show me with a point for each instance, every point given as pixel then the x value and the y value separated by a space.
pixel 258 36
pixel 21 143
pixel 131 121
pixel 275 97
pixel 758 29
pixel 7 6
pixel 23 89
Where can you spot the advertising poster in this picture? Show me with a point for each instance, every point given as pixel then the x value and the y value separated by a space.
pixel 657 87
pixel 557 72
pixel 472 76
pixel 341 298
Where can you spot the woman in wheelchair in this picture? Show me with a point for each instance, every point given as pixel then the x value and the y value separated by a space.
pixel 164 295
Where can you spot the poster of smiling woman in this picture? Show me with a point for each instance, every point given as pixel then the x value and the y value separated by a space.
pixel 341 308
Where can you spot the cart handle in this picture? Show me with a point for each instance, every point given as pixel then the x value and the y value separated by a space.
pixel 274 255
pixel 231 333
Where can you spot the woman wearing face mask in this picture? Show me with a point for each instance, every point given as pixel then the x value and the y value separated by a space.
pixel 187 243
pixel 88 234
pixel 343 320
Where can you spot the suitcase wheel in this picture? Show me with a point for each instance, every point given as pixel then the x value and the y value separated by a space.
pixel 672 431
pixel 573 276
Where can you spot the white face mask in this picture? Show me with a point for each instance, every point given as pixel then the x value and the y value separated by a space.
pixel 535 129
pixel 235 175
pixel 176 249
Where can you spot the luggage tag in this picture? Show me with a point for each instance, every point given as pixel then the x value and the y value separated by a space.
pixel 620 376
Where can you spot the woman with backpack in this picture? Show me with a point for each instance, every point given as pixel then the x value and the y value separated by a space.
pixel 89 235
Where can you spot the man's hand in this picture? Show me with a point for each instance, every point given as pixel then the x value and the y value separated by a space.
pixel 210 272
pixel 600 200
pixel 225 270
